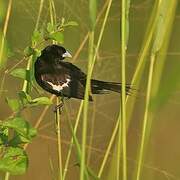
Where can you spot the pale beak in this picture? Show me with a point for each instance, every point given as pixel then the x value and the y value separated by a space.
pixel 67 54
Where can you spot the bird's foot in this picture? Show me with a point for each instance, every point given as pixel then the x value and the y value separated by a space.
pixel 58 107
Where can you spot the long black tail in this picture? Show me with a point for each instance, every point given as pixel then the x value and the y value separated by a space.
pixel 101 87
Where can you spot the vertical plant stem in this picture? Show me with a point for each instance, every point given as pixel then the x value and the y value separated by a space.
pixel 72 141
pixel 142 56
pixel 100 35
pixel 108 151
pixel 7 175
pixel 123 94
pixel 52 12
pixel 26 84
pixel 5 30
pixel 57 114
pixel 119 143
pixel 3 42
pixel 86 105
pixel 39 14
pixel 145 121
pixel 93 116
pixel 25 87
pixel 136 77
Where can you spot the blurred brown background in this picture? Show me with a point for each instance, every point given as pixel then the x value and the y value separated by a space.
pixel 164 146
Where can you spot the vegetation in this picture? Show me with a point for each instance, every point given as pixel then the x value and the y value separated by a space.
pixel 16 131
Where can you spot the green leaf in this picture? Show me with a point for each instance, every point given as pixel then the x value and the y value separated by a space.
pixel 13 160
pixel 22 127
pixel 162 25
pixel 28 51
pixel 36 37
pixel 41 101
pixel 14 104
pixel 50 27
pixel 92 12
pixel 24 97
pixel 3 135
pixel 57 36
pixel 37 53
pixel 70 23
pixel 21 73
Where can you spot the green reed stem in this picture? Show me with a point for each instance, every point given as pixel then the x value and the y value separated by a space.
pixel 72 141
pixel 122 130
pixel 57 117
pixel 86 105
pixel 2 44
pixel 100 35
pixel 39 14
pixel 136 76
pixel 90 69
pixel 26 84
pixel 6 22
pixel 161 37
pixel 52 12
pixel 145 121
pixel 7 175
pixel 91 127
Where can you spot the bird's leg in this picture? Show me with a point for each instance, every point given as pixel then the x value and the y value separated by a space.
pixel 57 111
pixel 60 105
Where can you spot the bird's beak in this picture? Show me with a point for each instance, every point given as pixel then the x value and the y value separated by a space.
pixel 67 54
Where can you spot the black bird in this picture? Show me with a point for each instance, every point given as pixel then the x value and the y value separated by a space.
pixel 65 79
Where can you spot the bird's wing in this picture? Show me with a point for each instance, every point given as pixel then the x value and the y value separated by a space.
pixel 57 81
pixel 74 70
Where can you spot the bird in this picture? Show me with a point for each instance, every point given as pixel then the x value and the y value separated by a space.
pixel 64 79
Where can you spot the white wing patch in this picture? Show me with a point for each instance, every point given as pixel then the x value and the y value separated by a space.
pixel 59 87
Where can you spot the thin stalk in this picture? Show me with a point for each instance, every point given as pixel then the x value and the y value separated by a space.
pixel 90 70
pixel 80 48
pixel 39 120
pixel 108 151
pixel 100 35
pixel 86 105
pixel 3 42
pixel 26 84
pixel 7 175
pixel 72 141
pixel 5 30
pixel 87 35
pixel 145 121
pixel 25 87
pixel 52 12
pixel 39 14
pixel 137 74
pixel 93 116
pixel 119 148
pixel 159 48
pixel 57 117
pixel 123 97
pixel 142 56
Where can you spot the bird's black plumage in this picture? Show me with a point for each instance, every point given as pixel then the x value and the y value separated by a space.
pixel 65 79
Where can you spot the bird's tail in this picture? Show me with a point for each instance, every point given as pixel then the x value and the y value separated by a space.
pixel 101 87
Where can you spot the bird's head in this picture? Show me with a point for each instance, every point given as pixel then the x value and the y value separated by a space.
pixel 55 52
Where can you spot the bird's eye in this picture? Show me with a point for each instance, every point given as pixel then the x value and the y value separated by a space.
pixel 66 54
